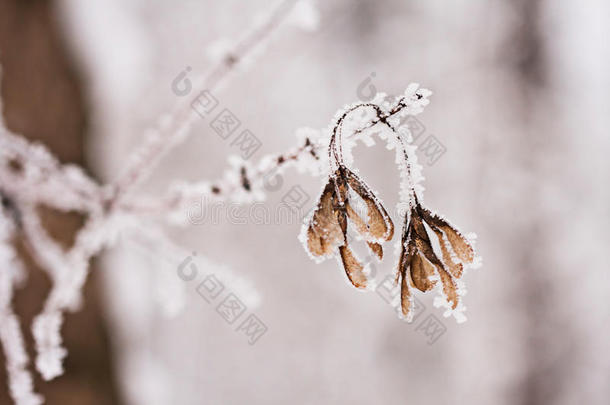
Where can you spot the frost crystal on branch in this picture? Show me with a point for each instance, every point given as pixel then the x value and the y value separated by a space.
pixel 11 271
pixel 419 265
pixel 30 176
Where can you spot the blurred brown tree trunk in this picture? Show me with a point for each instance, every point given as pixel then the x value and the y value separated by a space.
pixel 43 100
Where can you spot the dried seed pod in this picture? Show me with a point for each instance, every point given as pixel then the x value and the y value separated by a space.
pixel 405 297
pixel 460 245
pixel 379 224
pixel 353 268
pixel 449 287
pixel 454 268
pixel 433 252
pixel 404 263
pixel 458 242
pixel 359 223
pixel 419 262
pixel 326 232
pixel 421 271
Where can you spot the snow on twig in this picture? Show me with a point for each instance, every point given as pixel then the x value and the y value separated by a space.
pixel 11 271
pixel 31 176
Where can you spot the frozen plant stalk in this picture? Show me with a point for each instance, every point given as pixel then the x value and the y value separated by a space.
pixel 31 177
pixel 419 265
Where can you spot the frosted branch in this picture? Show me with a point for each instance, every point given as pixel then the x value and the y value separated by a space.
pixel 175 126
pixel 11 271
pixel 31 176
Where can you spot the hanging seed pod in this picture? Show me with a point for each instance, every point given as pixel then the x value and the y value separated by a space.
pixel 418 260
pixel 347 201
pixel 327 228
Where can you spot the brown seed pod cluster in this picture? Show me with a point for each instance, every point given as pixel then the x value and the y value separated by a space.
pixel 327 230
pixel 431 249
pixel 419 264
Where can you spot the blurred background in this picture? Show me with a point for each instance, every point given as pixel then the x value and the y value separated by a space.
pixel 519 110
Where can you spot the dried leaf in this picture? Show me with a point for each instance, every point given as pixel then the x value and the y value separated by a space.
pixel 328 226
pixel 353 268
pixel 406 252
pixel 358 222
pixel 425 248
pixel 324 233
pixel 454 268
pixel 421 271
pixel 405 296
pixel 460 245
pixel 420 259
pixel 449 287
pixel 418 229
pixel 380 226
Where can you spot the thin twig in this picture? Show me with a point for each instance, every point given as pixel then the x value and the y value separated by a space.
pixel 150 154
pixel 154 206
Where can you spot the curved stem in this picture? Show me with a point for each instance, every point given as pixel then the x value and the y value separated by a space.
pixel 335 147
